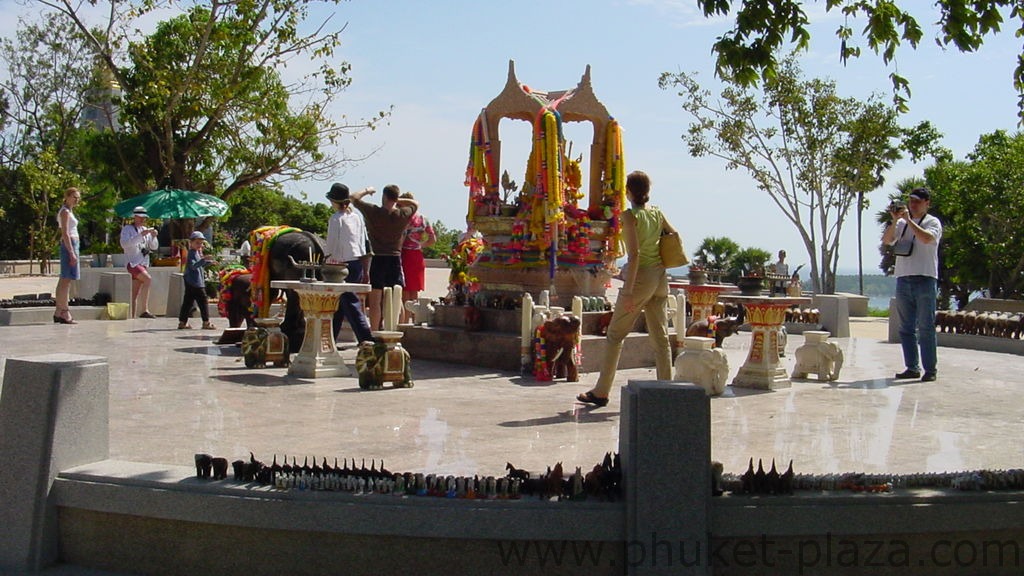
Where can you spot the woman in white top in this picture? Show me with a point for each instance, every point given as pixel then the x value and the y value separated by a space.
pixel 69 268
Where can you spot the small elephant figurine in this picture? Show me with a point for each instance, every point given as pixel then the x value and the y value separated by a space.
pixel 422 310
pixel 561 337
pixel 377 363
pixel 819 356
pixel 258 349
pixel 715 327
pixel 704 366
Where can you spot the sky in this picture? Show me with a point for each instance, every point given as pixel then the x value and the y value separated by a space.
pixel 439 63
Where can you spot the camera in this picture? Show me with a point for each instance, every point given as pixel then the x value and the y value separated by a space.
pixel 896 206
pixel 146 251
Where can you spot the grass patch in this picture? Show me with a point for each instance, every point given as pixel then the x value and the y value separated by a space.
pixel 878 312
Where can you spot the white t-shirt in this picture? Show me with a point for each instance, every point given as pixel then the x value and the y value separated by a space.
pixel 346 236
pixel 924 259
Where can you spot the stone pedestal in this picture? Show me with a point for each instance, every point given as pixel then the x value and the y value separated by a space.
pixel 319 357
pixel 665 444
pixel 53 416
pixel 761 370
pixel 702 298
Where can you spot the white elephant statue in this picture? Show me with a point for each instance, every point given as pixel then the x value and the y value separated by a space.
pixel 703 365
pixel 422 310
pixel 818 356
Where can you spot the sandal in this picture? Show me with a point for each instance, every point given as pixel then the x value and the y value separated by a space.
pixel 589 398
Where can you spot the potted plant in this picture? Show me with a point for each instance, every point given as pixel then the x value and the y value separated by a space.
pixel 508 188
pixel 99 252
pixel 697 274
pixel 751 282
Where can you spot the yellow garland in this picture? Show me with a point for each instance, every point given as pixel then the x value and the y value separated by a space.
pixel 614 184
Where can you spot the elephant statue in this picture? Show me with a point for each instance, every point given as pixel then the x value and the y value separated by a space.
pixel 561 337
pixel 703 365
pixel 261 346
pixel 819 356
pixel 288 247
pixel 715 327
pixel 379 362
pixel 422 310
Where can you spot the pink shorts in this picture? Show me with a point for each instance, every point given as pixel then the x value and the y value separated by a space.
pixel 135 271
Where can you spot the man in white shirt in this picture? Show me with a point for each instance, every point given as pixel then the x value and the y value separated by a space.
pixel 915 236
pixel 347 242
pixel 137 241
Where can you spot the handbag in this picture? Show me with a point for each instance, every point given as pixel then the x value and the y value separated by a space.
pixel 670 247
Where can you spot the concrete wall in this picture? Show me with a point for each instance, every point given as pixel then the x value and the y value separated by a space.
pixel 65 502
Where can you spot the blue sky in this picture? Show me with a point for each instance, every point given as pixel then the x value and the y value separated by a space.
pixel 438 63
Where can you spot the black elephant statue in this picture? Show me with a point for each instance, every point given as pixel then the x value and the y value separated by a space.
pixel 287 248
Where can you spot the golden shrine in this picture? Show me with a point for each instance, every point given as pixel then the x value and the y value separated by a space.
pixel 561 231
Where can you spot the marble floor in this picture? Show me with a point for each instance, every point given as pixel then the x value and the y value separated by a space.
pixel 174 393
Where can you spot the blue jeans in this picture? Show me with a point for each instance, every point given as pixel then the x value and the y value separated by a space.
pixel 915 301
pixel 351 309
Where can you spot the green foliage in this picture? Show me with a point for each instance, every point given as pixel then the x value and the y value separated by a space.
pixel 716 253
pixel 43 183
pixel 203 105
pixel 813 152
pixel 724 256
pixel 259 206
pixel 762 28
pixel 980 202
pixel 447 238
pixel 748 261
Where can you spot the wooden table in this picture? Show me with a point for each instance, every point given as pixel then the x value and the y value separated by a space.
pixel 765 314
pixel 319 357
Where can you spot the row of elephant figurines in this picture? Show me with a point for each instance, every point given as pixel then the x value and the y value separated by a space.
pixel 602 482
pixel 998 324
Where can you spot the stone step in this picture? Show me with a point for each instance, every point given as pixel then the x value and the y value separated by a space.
pixel 501 350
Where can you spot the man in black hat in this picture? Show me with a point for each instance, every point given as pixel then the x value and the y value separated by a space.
pixel 347 243
pixel 915 235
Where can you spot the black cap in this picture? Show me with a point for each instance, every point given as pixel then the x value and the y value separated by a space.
pixel 921 194
pixel 338 193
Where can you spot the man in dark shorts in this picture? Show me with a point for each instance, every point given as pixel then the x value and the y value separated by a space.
pixel 385 225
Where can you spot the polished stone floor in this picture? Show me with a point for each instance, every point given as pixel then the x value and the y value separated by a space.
pixel 174 393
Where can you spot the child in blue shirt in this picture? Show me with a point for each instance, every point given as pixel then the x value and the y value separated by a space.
pixel 195 283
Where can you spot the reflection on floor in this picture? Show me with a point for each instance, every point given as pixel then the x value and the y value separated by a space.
pixel 174 393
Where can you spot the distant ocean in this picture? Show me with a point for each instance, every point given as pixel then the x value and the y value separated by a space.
pixel 879 302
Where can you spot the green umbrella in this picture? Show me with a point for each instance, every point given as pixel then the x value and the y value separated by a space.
pixel 173 203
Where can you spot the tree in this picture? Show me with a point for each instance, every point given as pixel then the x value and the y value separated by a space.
pixel 748 261
pixel 747 53
pixel 202 103
pixel 716 253
pixel 980 202
pixel 447 238
pixel 42 186
pixel 259 205
pixel 45 87
pixel 810 150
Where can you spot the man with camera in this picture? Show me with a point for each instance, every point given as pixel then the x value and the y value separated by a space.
pixel 137 241
pixel 914 235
